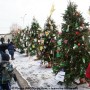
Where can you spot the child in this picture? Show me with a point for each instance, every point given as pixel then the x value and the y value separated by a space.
pixel 6 73
pixel 11 50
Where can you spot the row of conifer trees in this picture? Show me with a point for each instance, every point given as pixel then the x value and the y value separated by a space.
pixel 66 50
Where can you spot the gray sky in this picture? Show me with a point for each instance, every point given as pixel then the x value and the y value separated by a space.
pixel 15 11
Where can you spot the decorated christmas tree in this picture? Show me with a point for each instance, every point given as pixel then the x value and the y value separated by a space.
pixel 50 32
pixel 16 38
pixel 21 39
pixel 74 57
pixel 34 36
pixel 25 39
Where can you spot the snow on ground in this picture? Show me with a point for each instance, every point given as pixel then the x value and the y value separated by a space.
pixel 39 76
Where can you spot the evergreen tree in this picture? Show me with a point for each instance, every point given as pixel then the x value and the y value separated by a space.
pixel 20 38
pixel 50 32
pixel 16 39
pixel 34 36
pixel 74 57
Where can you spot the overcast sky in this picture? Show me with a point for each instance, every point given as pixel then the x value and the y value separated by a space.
pixel 14 11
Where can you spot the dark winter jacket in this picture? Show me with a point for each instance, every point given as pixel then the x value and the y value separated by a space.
pixel 11 47
pixel 6 72
pixel 3 47
pixel 5 56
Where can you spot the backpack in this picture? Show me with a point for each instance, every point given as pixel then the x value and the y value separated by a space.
pixel 6 72
pixel 5 56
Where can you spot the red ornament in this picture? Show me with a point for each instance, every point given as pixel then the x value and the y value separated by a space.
pixel 52 40
pixel 88 72
pixel 77 33
pixel 59 33
pixel 78 44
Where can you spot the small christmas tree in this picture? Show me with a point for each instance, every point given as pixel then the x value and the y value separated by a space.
pixel 16 40
pixel 21 44
pixel 74 57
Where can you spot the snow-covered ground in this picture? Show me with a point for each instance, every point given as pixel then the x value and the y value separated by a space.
pixel 38 76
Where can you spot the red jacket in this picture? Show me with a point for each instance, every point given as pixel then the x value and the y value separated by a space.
pixel 88 71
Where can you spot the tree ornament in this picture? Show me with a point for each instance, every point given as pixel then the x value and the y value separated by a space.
pixel 46 33
pixel 77 32
pixel 54 35
pixel 44 47
pixel 33 46
pixel 67 28
pixel 39 40
pixel 83 60
pixel 75 46
pixel 55 38
pixel 42 41
pixel 41 48
pixel 35 40
pixel 59 42
pixel 59 33
pixel 58 54
pixel 79 44
pixel 51 52
pixel 83 38
pixel 26 38
pixel 52 40
pixel 76 24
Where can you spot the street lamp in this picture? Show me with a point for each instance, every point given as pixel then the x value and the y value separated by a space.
pixel 23 18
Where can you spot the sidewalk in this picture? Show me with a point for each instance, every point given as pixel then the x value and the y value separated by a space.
pixel 34 77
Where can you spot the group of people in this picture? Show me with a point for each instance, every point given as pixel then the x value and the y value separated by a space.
pixel 7 46
pixel 6 68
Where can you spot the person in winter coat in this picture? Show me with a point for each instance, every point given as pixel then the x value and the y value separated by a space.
pixel 3 45
pixel 6 72
pixel 11 50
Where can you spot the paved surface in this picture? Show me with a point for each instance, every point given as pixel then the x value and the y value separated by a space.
pixel 21 81
pixel 24 85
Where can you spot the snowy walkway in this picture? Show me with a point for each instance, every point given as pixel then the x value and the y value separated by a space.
pixel 39 77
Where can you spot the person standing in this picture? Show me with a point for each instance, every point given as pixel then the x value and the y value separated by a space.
pixel 8 40
pixel 6 72
pixel 11 49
